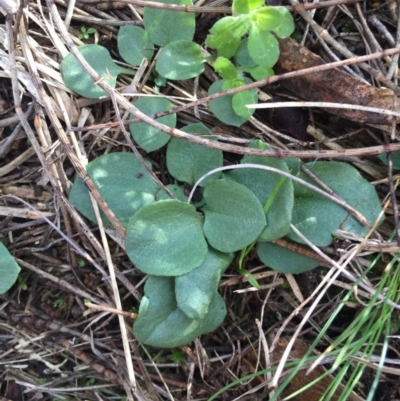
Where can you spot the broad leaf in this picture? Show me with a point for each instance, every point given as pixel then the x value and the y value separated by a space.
pixel 187 161
pixel 9 269
pixel 181 59
pixel 240 101
pixel 222 107
pixel 245 6
pixel 263 47
pixel 146 136
pixel 234 216
pixel 229 49
pixel 77 79
pixel 318 218
pixel 134 44
pixel 284 260
pixel 166 239
pixel 122 181
pixel 242 55
pixel 263 183
pixel 267 18
pixel 166 26
pixel 161 323
pixel 196 290
pixel 260 72
pixel 225 69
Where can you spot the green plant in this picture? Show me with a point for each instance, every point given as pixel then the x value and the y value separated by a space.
pixel 186 248
pixel 86 32
pixel 9 269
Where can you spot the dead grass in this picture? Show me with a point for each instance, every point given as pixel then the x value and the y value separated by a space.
pixel 52 345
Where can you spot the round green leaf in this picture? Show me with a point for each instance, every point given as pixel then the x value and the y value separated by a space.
pixel 225 69
pixel 262 183
pixel 146 136
pixel 234 217
pixel 242 55
pixel 134 44
pixel 260 72
pixel 122 181
pixel 239 102
pixel 76 78
pixel 196 290
pixel 166 239
pixel 9 269
pixel 267 18
pixel 245 6
pixel 263 47
pixel 181 59
pixel 318 218
pixel 166 26
pixel 284 260
pixel 222 107
pixel 161 323
pixel 286 27
pixel 187 161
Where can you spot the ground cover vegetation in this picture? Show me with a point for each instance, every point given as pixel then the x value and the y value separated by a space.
pixel 207 217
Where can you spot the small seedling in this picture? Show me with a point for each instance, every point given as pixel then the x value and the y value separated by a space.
pixel 86 32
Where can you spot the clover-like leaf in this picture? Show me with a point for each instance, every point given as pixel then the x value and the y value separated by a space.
pixel 181 59
pixel 122 181
pixel 234 217
pixel 77 79
pixel 9 269
pixel 196 290
pixel 245 6
pixel 166 26
pixel 286 27
pixel 146 136
pixel 263 47
pixel 284 260
pixel 166 238
pixel 222 107
pixel 319 218
pixel 263 183
pixel 187 161
pixel 161 323
pixel 267 18
pixel 134 44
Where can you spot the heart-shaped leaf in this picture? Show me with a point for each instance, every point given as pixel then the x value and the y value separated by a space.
pixel 234 217
pixel 9 269
pixel 187 161
pixel 284 260
pixel 122 181
pixel 166 239
pixel 77 79
pixel 196 290
pixel 146 136
pixel 162 324
pixel 166 26
pixel 181 59
pixel 134 44
pixel 318 218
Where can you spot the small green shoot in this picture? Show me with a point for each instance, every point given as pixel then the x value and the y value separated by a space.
pixel 86 32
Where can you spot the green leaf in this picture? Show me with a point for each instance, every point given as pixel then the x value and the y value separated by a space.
pixel 260 72
pixel 395 159
pixel 234 217
pixel 166 26
pixel 9 269
pixel 267 18
pixel 242 55
pixel 262 183
pixel 222 107
pixel 318 218
pixel 245 6
pixel 225 68
pixel 232 83
pixel 263 47
pixel 284 260
pixel 231 27
pixel 181 59
pixel 122 181
pixel 286 28
pixel 188 161
pixel 176 190
pixel 196 290
pixel 229 49
pixel 134 44
pixel 239 102
pixel 166 238
pixel 161 323
pixel 77 79
pixel 146 136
